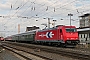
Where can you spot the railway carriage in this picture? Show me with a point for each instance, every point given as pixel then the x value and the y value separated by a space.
pixel 23 37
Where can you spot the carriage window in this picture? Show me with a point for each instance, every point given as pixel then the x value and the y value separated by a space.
pixel 84 35
pixel 81 35
pixel 70 30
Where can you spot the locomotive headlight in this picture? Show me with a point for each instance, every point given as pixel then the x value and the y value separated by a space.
pixel 76 38
pixel 67 38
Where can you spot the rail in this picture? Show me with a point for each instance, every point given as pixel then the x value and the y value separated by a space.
pixel 83 55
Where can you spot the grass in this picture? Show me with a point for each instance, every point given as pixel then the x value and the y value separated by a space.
pixel 85 47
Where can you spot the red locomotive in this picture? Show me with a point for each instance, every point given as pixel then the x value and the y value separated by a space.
pixel 59 35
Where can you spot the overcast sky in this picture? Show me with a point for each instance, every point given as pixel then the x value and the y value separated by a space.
pixel 26 12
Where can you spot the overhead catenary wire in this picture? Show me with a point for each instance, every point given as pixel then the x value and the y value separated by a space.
pixel 20 8
pixel 28 8
pixel 54 8
pixel 11 6
pixel 46 7
pixel 17 11
pixel 25 10
pixel 58 8
pixel 77 9
pixel 32 8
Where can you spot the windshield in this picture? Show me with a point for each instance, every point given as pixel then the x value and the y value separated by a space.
pixel 70 30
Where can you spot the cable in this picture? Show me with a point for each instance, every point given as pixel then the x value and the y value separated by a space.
pixel 60 7
pixel 43 6
pixel 20 8
pixel 73 10
pixel 9 11
pixel 27 8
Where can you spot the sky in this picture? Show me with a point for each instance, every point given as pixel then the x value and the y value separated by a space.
pixel 36 12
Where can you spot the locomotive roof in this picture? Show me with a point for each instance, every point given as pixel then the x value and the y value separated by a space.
pixel 47 29
pixel 83 29
pixel 54 28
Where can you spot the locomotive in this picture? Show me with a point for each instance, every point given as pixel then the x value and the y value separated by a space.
pixel 59 35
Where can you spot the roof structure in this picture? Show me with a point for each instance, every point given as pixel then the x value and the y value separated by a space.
pixel 31 28
pixel 83 29
pixel 85 15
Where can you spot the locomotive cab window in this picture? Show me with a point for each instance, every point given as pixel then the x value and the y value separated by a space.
pixel 70 30
pixel 60 31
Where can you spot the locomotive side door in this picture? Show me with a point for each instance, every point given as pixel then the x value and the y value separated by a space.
pixel 61 35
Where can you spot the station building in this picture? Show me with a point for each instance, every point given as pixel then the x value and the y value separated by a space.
pixel 84 29
pixel 31 28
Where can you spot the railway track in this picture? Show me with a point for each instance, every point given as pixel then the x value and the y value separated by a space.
pixel 25 54
pixel 78 54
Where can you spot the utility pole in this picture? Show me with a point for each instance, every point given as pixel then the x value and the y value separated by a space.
pixel 18 28
pixel 48 22
pixel 70 17
pixel 54 22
